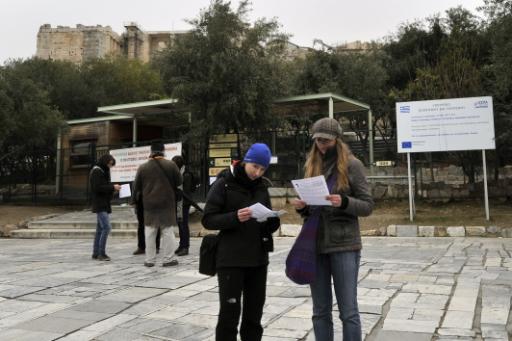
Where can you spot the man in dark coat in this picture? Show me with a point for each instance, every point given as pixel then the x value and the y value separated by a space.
pixel 101 195
pixel 157 181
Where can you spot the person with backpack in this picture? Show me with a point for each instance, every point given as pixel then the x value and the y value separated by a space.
pixel 243 243
pixel 102 192
pixel 157 181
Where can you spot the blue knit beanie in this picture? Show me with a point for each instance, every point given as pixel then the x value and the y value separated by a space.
pixel 258 153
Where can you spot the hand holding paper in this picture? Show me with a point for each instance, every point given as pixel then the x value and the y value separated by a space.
pixel 125 191
pixel 312 190
pixel 244 214
pixel 262 213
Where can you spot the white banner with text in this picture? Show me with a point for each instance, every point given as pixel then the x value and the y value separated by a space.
pixel 129 159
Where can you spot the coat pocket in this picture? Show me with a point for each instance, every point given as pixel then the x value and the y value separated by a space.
pixel 267 242
pixel 338 229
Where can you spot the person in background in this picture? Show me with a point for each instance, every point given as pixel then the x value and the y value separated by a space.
pixel 338 238
pixel 156 182
pixel 244 243
pixel 141 238
pixel 102 192
pixel 183 206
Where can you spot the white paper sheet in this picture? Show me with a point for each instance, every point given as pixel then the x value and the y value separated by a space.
pixel 312 190
pixel 262 213
pixel 125 191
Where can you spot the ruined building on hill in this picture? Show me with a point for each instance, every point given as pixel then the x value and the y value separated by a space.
pixel 82 43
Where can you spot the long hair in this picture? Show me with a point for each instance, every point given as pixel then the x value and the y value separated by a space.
pixel 313 165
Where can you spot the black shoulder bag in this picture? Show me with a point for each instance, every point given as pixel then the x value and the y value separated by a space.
pixel 208 255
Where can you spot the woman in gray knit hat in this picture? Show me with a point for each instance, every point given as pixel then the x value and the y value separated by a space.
pixel 338 236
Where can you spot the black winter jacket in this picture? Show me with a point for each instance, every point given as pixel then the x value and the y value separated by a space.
pixel 240 244
pixel 101 189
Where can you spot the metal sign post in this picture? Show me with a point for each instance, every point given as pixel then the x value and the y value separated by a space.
pixel 411 196
pixel 486 193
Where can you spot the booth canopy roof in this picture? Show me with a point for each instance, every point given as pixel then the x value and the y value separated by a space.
pixel 164 106
pixel 150 109
pixel 341 104
pixel 164 112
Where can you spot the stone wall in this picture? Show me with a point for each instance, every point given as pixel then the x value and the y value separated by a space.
pixel 82 43
pixel 411 231
pixel 441 191
pixel 435 191
pixel 448 174
pixel 77 44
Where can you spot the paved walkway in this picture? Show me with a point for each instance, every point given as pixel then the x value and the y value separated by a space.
pixel 409 289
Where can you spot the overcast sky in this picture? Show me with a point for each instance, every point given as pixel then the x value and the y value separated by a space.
pixel 333 21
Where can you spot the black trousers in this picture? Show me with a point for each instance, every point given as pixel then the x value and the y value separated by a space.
pixel 184 228
pixel 141 238
pixel 233 283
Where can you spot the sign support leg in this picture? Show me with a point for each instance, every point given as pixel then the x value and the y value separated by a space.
pixel 486 192
pixel 411 197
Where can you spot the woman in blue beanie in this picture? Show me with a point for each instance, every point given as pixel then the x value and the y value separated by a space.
pixel 244 243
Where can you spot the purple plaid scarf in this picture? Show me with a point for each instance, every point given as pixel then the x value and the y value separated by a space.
pixel 301 261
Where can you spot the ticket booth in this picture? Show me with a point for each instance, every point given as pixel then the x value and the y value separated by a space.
pixel 82 141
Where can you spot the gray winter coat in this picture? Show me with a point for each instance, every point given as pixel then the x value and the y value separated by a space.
pixel 339 226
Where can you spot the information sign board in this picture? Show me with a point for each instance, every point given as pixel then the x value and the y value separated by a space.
pixel 445 125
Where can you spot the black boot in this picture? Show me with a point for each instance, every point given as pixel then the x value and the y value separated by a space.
pixel 181 251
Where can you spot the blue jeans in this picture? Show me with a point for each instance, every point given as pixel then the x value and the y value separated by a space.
pixel 103 228
pixel 343 267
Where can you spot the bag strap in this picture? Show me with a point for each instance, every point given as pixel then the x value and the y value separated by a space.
pixel 331 181
pixel 176 189
pixel 166 176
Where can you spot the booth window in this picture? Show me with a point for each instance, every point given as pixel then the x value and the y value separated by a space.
pixel 82 153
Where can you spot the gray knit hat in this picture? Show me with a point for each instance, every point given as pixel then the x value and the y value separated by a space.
pixel 327 128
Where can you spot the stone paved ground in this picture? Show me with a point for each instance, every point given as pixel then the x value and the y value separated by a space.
pixel 409 289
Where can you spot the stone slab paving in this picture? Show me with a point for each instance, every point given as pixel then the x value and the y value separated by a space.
pixel 409 289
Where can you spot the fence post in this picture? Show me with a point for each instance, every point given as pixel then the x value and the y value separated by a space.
pixel 58 163
pixel 370 140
